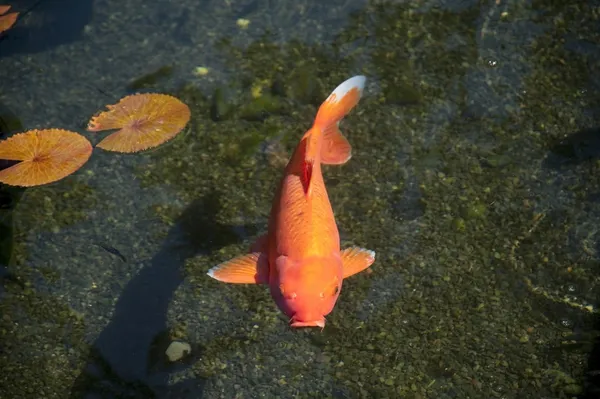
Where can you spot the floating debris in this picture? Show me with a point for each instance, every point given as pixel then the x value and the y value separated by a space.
pixel 567 300
pixel 113 251
pixel 46 156
pixel 145 121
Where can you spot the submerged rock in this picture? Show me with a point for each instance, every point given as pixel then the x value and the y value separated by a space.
pixel 177 350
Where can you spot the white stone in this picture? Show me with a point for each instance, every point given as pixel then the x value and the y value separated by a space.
pixel 177 350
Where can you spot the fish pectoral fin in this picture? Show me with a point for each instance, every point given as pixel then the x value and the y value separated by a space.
pixel 252 268
pixel 356 260
pixel 336 150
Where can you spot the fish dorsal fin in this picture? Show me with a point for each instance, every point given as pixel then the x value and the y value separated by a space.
pixel 312 143
pixel 307 168
pixel 251 268
pixel 355 260
pixel 335 149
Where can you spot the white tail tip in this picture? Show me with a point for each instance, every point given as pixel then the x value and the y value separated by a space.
pixel 357 82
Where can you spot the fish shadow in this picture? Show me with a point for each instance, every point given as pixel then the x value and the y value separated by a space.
pixel 127 359
pixel 592 375
pixel 9 197
pixel 592 378
pixel 576 150
pixel 53 23
pixel 581 148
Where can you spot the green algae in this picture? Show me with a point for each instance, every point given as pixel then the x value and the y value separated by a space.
pixel 260 107
pixel 150 79
pixel 59 207
pixel 52 340
pixel 220 107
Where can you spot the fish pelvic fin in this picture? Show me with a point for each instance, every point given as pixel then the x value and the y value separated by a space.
pixel 261 244
pixel 252 268
pixel 334 148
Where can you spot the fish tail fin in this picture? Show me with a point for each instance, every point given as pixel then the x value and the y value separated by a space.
pixel 334 148
pixel 324 141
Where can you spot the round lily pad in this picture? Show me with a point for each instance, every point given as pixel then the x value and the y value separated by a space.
pixel 46 156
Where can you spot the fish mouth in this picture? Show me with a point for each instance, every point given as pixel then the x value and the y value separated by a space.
pixel 313 323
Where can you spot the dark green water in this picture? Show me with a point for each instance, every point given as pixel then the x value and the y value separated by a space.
pixel 475 177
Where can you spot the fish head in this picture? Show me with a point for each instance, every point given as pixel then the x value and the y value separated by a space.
pixel 308 291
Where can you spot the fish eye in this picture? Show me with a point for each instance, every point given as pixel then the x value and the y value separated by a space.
pixel 336 289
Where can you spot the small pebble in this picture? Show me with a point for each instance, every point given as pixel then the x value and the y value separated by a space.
pixel 177 350
pixel 201 71
pixel 242 23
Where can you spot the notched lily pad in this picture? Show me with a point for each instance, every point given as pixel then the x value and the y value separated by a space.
pixel 145 121
pixel 7 20
pixel 45 156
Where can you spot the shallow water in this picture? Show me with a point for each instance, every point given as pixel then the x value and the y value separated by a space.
pixel 474 176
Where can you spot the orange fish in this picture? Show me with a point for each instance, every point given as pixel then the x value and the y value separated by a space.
pixel 299 257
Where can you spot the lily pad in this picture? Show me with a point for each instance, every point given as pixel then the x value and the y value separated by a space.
pixel 7 20
pixel 46 156
pixel 145 121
